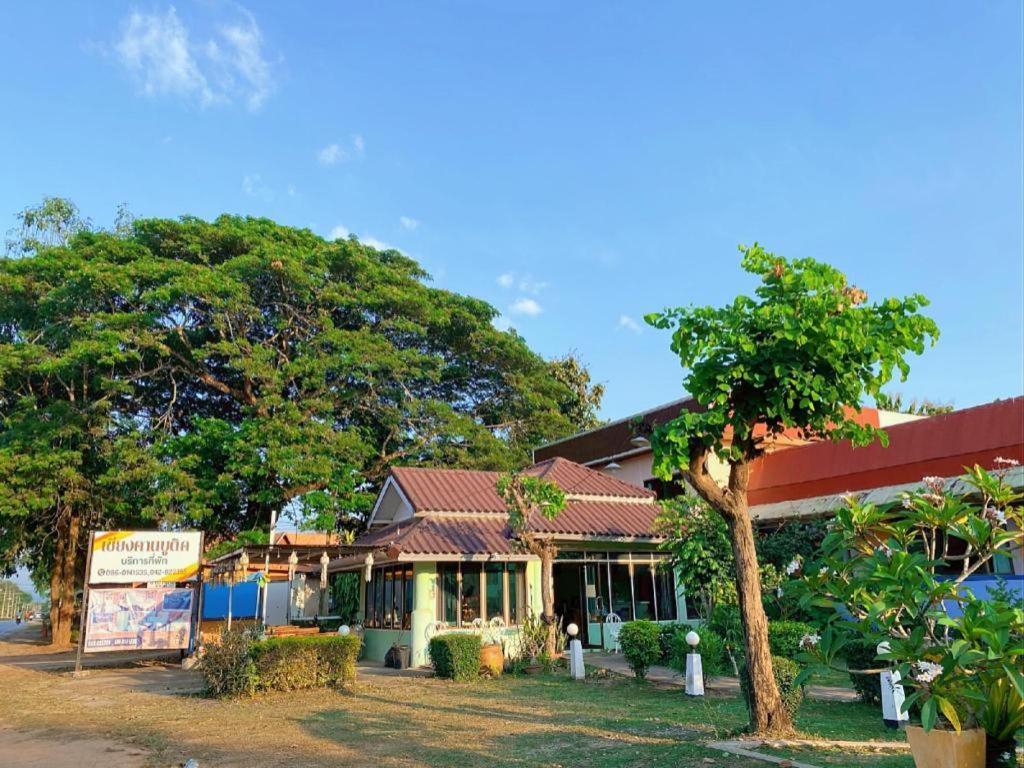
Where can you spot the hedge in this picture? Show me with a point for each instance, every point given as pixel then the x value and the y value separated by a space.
pixel 240 664
pixel 863 656
pixel 784 637
pixel 711 649
pixel 641 645
pixel 455 655
pixel 785 673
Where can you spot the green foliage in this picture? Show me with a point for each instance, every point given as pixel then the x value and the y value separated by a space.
pixel 345 596
pixel 790 539
pixel 785 637
pixel 725 622
pixel 798 355
pixel 697 539
pixel 53 222
pixel 254 537
pixel 525 496
pixel 878 580
pixel 209 374
pixel 862 655
pixel 455 655
pixel 582 399
pixel 227 665
pixel 895 402
pixel 640 645
pixel 666 635
pixel 786 674
pixel 240 664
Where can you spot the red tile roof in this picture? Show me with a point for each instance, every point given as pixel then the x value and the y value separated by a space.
pixel 459 512
pixel 940 445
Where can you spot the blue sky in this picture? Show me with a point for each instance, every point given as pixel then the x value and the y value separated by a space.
pixel 575 165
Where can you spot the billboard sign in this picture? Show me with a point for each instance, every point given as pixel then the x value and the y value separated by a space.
pixel 122 619
pixel 126 557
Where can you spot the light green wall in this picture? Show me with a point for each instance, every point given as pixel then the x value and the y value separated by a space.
pixel 377 642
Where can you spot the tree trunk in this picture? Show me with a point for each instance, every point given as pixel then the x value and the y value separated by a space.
pixel 62 578
pixel 547 596
pixel 767 713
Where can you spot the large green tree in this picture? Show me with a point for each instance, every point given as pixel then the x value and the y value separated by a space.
pixel 802 354
pixel 216 374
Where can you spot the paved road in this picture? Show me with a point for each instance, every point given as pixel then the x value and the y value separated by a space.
pixel 7 626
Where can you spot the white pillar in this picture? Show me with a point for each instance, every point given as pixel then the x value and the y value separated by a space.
pixel 694 667
pixel 893 715
pixel 576 669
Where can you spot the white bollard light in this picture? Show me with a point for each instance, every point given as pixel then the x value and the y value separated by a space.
pixel 694 667
pixel 576 669
pixel 344 630
pixel 893 714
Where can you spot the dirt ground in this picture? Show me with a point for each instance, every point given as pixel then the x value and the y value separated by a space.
pixel 152 715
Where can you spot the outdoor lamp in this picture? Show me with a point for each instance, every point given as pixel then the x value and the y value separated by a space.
pixel 612 466
pixel 324 560
pixel 640 441
pixel 343 630
pixel 293 560
pixel 243 561
pixel 572 630
pixel 368 562
pixel 692 638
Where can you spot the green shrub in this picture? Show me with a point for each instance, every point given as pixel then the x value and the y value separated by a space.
pixel 240 664
pixel 785 675
pixel 455 655
pixel 784 637
pixel 227 665
pixel 640 645
pixel 711 648
pixel 666 637
pixel 861 655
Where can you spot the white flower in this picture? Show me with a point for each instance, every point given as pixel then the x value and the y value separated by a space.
pixel 793 567
pixel 1006 462
pixel 823 571
pixel 778 591
pixel 907 502
pixel 927 671
pixel 809 640
pixel 995 515
pixel 883 549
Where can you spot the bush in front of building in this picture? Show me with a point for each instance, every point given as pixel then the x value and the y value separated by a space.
pixel 455 655
pixel 666 638
pixel 641 645
pixel 786 672
pixel 784 637
pixel 862 655
pixel 240 664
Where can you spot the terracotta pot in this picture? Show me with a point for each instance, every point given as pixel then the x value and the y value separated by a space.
pixel 492 658
pixel 947 749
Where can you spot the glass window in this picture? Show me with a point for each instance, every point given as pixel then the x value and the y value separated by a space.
pixel 389 598
pixel 597 591
pixel 494 584
pixel 469 604
pixel 516 592
pixel 450 594
pixel 643 592
pixel 622 591
pixel 407 599
pixel 378 600
pixel 665 588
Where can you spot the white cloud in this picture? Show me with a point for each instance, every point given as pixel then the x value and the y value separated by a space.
pixel 158 51
pixel 373 242
pixel 506 280
pixel 253 186
pixel 525 306
pixel 331 154
pixel 339 233
pixel 336 153
pixel 529 285
pixel 502 323
pixel 408 223
pixel 627 322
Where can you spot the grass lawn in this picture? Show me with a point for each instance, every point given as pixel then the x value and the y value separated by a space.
pixel 391 721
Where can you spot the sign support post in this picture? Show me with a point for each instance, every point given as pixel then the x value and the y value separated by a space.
pixel 85 608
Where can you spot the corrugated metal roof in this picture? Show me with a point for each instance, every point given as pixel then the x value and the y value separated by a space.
pixel 576 479
pixel 431 489
pixel 601 519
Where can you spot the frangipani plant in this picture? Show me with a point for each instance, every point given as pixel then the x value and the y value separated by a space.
pixel 892 574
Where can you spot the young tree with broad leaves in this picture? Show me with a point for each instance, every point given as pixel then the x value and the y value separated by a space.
pixel 528 498
pixel 801 356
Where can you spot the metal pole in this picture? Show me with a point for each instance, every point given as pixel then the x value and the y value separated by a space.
pixel 85 607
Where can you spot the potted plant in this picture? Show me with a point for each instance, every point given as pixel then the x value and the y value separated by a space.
pixel 898 574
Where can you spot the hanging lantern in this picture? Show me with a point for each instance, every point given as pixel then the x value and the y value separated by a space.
pixel 368 562
pixel 324 560
pixel 243 563
pixel 293 560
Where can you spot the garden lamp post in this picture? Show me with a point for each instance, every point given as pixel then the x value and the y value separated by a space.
pixel 694 667
pixel 893 714
pixel 576 668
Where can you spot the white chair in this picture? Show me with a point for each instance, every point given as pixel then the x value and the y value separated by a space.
pixel 613 625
